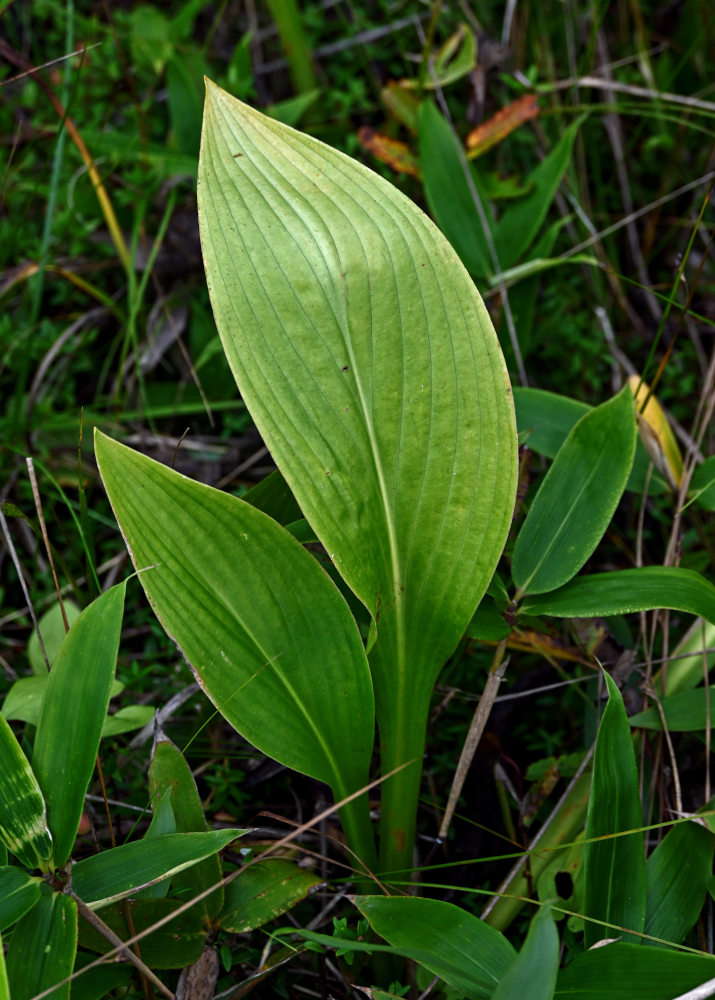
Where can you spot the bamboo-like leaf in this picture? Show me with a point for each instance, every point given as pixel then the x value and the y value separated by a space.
pixel 624 591
pixel 269 637
pixel 577 498
pixel 43 948
pixel 687 712
pixel 80 682
pixel 614 877
pixel 628 972
pixel 103 878
pixel 169 772
pixel 18 893
pixel 369 364
pixel 23 815
pixel 534 970
pixel 677 874
pixel 464 951
pixel 262 892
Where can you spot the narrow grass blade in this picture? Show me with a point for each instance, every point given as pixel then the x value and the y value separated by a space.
pixel 168 771
pixel 614 878
pixel 677 875
pixel 628 972
pixel 262 892
pixel 456 946
pixel 103 878
pixel 23 815
pixel 577 498
pixel 4 985
pixel 43 947
pixel 269 637
pixel 18 893
pixel 534 970
pixel 624 591
pixel 80 682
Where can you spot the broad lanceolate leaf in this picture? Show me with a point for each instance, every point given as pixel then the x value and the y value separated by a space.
pixel 23 816
pixel 464 951
pixel 103 878
pixel 43 948
pixel 18 893
pixel 369 363
pixel 627 972
pixel 269 637
pixel 577 498
pixel 533 972
pixel 677 874
pixel 169 771
pixel 79 684
pixel 628 590
pixel 614 880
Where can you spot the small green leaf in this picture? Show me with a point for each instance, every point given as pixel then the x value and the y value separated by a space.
pixel 677 874
pixel 111 875
pixel 168 771
pixel 80 682
pixel 577 498
pixel 53 631
pixel 18 893
pixel 23 816
pixel 624 591
pixel 262 892
pixel 23 703
pixel 456 946
pixel 534 970
pixel 43 947
pixel 628 972
pixel 702 485
pixel 614 877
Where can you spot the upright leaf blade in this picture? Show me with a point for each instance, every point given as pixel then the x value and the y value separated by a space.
pixel 614 879
pixel 80 682
pixel 677 874
pixel 268 635
pixel 577 498
pixel 43 948
pixel 369 364
pixel 534 970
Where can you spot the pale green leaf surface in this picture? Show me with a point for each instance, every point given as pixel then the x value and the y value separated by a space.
pixel 533 972
pixel 80 683
pixel 127 719
pixel 264 891
pixel 43 947
pixel 23 815
pixel 266 632
pixel 614 876
pixel 464 951
pixel 625 591
pixel 23 702
pixel 103 878
pixel 677 874
pixel 629 972
pixel 52 630
pixel 577 498
pixel 370 366
pixel 18 893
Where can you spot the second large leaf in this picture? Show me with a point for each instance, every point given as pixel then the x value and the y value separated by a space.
pixel 370 366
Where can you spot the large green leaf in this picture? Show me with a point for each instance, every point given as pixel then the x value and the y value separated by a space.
pixel 464 951
pixel 627 972
pixel 627 590
pixel 79 683
pixel 103 878
pixel 533 972
pixel 677 874
pixel 614 878
pixel 370 366
pixel 23 815
pixel 264 891
pixel 269 637
pixel 43 947
pixel 577 498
